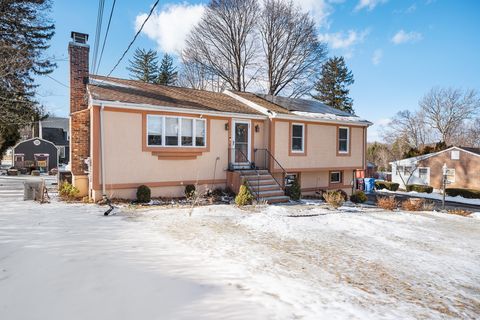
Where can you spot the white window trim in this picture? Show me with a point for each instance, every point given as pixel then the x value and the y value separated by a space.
pixel 348 140
pixel 303 138
pixel 179 134
pixel 339 175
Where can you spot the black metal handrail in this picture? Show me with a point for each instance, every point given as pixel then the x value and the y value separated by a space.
pixel 252 167
pixel 270 155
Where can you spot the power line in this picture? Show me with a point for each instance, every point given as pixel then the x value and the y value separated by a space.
pixel 98 32
pixel 106 35
pixel 134 38
pixel 60 83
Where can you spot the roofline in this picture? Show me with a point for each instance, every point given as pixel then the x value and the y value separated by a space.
pixel 429 155
pixel 297 118
pixel 36 138
pixel 141 106
pixel 250 103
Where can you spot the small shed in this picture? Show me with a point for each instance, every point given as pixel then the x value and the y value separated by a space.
pixel 35 152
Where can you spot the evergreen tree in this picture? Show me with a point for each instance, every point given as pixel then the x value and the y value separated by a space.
pixel 144 66
pixel 167 74
pixel 332 87
pixel 25 34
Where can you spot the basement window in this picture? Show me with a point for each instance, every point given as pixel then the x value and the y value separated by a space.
pixel 167 131
pixel 335 177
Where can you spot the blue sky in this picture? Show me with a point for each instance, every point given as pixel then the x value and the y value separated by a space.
pixel 397 50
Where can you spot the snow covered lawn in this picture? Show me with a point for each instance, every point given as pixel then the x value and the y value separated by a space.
pixel 60 261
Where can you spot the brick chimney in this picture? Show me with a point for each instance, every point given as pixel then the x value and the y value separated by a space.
pixel 78 50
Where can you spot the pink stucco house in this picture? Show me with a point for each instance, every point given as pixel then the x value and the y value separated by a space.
pixel 126 133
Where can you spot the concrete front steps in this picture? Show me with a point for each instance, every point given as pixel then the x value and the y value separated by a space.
pixel 263 186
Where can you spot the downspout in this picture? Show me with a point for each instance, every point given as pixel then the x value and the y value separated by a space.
pixel 102 153
pixel 102 165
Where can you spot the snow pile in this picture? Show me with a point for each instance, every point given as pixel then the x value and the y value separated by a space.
pixel 435 196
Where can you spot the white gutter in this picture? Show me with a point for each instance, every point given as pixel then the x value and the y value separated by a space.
pixel 135 106
pixel 102 151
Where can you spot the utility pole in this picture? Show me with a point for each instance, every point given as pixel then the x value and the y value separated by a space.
pixel 444 180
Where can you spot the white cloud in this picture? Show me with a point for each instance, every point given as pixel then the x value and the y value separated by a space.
pixel 319 9
pixel 341 40
pixel 368 4
pixel 377 56
pixel 170 27
pixel 405 37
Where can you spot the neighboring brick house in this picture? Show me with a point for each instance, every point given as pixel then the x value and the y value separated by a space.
pixel 126 133
pixel 463 168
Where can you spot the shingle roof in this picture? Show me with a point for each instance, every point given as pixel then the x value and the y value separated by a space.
pixel 138 92
pixel 473 150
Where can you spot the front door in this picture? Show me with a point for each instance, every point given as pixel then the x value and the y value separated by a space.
pixel 241 143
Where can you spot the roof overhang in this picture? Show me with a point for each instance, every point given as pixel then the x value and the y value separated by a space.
pixel 148 107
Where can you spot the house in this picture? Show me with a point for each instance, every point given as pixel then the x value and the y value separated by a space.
pixel 127 133
pixel 56 130
pixel 463 169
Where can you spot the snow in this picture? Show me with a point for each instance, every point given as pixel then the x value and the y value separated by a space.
pixel 328 116
pixel 68 261
pixel 435 196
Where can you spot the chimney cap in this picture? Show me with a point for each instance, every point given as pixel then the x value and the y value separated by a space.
pixel 78 37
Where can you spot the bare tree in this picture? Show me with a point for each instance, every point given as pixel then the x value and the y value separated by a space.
pixel 410 126
pixel 293 53
pixel 224 41
pixel 196 76
pixel 446 110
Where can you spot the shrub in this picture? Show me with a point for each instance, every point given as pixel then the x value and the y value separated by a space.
pixel 419 188
pixel 190 191
pixel 387 203
pixel 466 193
pixel 334 198
pixel 143 194
pixel 68 191
pixel 358 197
pixel 392 186
pixel 413 204
pixel 343 194
pixel 244 196
pixel 294 191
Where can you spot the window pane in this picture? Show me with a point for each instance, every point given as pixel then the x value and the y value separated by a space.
pixel 335 177
pixel 200 133
pixel 171 131
pixel 343 133
pixel 342 145
pixel 154 130
pixel 297 144
pixel 187 132
pixel 297 131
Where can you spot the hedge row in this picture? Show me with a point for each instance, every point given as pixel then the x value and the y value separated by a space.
pixel 392 186
pixel 466 193
pixel 419 188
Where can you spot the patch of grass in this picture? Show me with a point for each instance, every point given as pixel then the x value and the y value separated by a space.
pixel 460 212
pixel 413 205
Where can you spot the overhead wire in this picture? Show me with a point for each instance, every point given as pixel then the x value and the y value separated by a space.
pixel 135 37
pixel 98 32
pixel 106 35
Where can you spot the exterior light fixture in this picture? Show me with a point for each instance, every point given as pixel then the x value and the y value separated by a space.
pixel 257 128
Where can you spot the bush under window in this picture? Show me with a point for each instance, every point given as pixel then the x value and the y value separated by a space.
pixel 419 188
pixel 143 194
pixel 466 193
pixel 392 186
